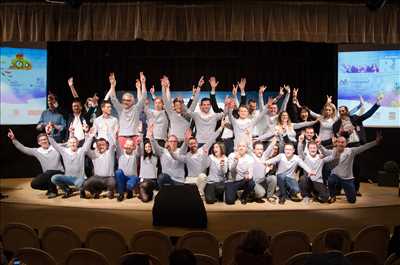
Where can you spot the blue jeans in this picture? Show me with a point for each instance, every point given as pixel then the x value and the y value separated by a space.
pixel 64 181
pixel 347 185
pixel 287 186
pixel 232 187
pixel 165 179
pixel 124 182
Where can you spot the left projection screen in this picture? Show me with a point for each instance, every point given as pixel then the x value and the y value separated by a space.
pixel 22 85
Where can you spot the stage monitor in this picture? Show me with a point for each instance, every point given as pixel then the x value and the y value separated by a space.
pixel 371 74
pixel 23 85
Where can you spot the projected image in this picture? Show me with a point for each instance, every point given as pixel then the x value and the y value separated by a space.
pixel 370 74
pixel 23 84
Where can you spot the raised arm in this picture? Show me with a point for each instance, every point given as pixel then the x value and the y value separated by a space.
pixel 196 95
pixel 286 99
pixel 369 113
pixel 273 160
pixel 300 146
pixel 158 150
pixel 72 87
pixel 303 124
pixel 111 92
pixel 304 165
pixel 18 145
pixel 261 97
pixel 268 152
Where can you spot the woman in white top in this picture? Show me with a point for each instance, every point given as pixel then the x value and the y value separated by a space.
pixel 217 163
pixel 148 172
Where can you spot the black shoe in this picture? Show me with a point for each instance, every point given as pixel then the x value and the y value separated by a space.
pixel 129 194
pixel 358 194
pixel 67 194
pixel 243 201
pixel 332 200
pixel 82 194
pixel 296 197
pixel 96 196
pixel 259 200
pixel 110 195
pixel 282 200
pixel 120 197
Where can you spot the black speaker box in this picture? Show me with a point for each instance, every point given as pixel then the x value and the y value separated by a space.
pixel 179 206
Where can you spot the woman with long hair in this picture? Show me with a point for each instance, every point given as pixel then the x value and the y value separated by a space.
pixel 148 172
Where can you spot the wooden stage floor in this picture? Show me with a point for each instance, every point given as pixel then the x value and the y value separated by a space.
pixel 378 205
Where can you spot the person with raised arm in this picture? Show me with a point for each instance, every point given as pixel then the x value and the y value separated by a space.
pixel 158 117
pixel 148 171
pixel 217 163
pixel 49 159
pixel 173 171
pixel 313 185
pixel 195 158
pixel 240 165
pixel 342 173
pixel 74 163
pixel 52 116
pixel 128 111
pixel 177 113
pixel 264 184
pixel 106 125
pixel 227 133
pixel 288 162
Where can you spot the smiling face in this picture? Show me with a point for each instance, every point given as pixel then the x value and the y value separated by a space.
pixel 312 149
pixel 173 142
pixel 192 145
pixel 341 144
pixel 304 114
pixel 129 146
pixel 217 150
pixel 76 108
pixel 243 112
pixel 309 133
pixel 43 141
pixel 273 109
pixel 343 112
pixel 252 106
pixel 258 149
pixel 127 100
pixel 178 106
pixel 147 148
pixel 106 108
pixel 289 150
pixel 205 106
pixel 158 104
pixel 73 144
pixel 284 117
pixel 101 146
pixel 328 111
pixel 242 148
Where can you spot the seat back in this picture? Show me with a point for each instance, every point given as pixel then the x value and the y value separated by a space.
pixel 205 260
pixel 229 246
pixel 200 242
pixel 153 260
pixel 85 256
pixel 58 240
pixel 154 242
pixel 362 258
pixel 298 259
pixel 35 256
pixel 18 235
pixel 108 242
pixel 287 244
pixel 373 238
pixel 393 259
pixel 318 243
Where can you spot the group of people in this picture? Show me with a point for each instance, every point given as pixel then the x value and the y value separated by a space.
pixel 234 151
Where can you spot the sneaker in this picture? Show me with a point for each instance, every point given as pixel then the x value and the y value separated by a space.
pixel 51 195
pixel 282 200
pixel 259 200
pixel 296 197
pixel 359 194
pixel 271 200
pixel 129 194
pixel 82 194
pixel 120 197
pixel 332 200
pixel 67 194
pixel 243 201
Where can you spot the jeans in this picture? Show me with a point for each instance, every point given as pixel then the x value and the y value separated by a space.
pixel 232 187
pixel 347 185
pixel 214 192
pixel 165 179
pixel 287 186
pixel 43 181
pixel 64 181
pixel 124 182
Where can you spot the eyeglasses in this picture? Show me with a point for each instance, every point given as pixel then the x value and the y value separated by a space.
pixel 124 99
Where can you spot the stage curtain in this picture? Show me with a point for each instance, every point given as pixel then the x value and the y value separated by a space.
pixel 248 21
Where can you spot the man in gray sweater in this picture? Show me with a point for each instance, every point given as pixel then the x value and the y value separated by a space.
pixel 74 163
pixel 49 160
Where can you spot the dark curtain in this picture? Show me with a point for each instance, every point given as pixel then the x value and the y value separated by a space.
pixel 331 22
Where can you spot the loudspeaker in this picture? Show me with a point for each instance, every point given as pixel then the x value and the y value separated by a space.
pixel 179 206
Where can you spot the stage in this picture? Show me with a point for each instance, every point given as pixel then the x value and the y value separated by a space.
pixel 378 205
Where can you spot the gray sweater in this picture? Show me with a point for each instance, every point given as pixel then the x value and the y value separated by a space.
pixel 103 164
pixel 129 118
pixel 49 159
pixel 160 121
pixel 74 162
pixel 216 172
pixel 242 168
pixel 286 166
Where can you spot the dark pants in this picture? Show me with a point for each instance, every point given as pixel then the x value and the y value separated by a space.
pixel 347 185
pixel 232 187
pixel 97 184
pixel 309 187
pixel 165 179
pixel 356 167
pixel 43 181
pixel 146 188
pixel 214 192
pixel 287 186
pixel 229 145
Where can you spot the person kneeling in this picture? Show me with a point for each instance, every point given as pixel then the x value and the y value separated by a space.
pixel 103 165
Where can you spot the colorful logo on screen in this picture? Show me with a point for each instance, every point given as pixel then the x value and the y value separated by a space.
pixel 20 63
